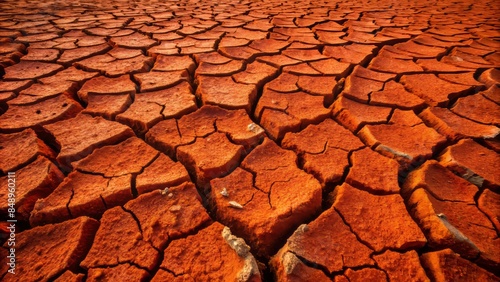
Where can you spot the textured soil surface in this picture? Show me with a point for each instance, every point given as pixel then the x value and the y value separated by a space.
pixel 251 140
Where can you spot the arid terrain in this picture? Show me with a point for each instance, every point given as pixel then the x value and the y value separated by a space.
pixel 249 141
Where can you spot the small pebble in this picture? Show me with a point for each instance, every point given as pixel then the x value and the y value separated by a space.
pixel 175 208
pixel 251 127
pixel 235 205
pixel 224 192
pixel 254 128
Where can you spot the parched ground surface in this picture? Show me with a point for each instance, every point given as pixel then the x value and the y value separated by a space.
pixel 251 140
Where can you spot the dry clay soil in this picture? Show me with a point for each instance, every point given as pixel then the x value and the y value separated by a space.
pixel 251 140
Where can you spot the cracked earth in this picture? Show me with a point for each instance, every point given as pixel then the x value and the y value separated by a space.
pixel 251 140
